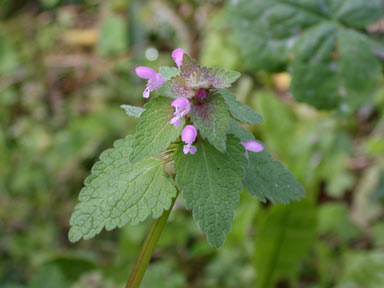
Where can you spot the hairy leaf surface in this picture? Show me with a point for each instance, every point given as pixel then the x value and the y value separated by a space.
pixel 193 77
pixel 168 72
pixel 133 110
pixel 119 192
pixel 265 177
pixel 153 132
pixel 240 111
pixel 210 117
pixel 211 183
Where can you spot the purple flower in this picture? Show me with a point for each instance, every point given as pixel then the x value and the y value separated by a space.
pixel 155 80
pixel 189 136
pixel 182 108
pixel 252 146
pixel 177 56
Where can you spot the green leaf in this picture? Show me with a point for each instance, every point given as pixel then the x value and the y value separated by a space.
pixel 210 116
pixel 119 192
pixel 283 238
pixel 153 132
pixel 49 276
pixel 325 82
pixel 211 183
pixel 362 269
pixel 168 72
pixel 267 178
pixel 133 110
pixel 240 111
pixel 49 3
pixel 113 35
pixel 239 131
pixel 333 219
pixel 323 42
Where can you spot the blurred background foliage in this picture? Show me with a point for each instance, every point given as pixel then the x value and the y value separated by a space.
pixel 66 67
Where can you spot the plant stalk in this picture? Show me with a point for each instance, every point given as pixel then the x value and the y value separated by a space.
pixel 148 247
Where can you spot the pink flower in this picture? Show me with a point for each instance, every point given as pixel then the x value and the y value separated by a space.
pixel 182 108
pixel 252 146
pixel 155 80
pixel 177 56
pixel 189 136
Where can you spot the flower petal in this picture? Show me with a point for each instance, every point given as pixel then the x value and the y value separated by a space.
pixel 146 92
pixel 181 104
pixel 145 72
pixel 157 81
pixel 175 121
pixel 192 149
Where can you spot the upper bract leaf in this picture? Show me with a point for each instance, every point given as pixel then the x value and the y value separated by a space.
pixel 210 116
pixel 193 77
pixel 211 183
pixel 119 192
pixel 153 132
pixel 220 78
pixel 168 72
pixel 240 111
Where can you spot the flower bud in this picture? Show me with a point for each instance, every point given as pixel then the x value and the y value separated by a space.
pixel 201 94
pixel 188 136
pixel 177 56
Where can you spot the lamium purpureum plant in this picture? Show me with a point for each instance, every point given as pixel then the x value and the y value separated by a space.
pixel 188 139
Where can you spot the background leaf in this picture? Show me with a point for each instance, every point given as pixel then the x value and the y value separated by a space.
pixel 325 41
pixel 284 236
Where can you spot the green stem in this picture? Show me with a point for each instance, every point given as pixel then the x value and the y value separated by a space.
pixel 147 249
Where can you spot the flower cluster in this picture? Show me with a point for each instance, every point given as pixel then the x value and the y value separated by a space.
pixel 182 105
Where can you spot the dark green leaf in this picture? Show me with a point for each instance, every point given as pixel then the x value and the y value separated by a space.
pixel 283 238
pixel 211 183
pixel 240 111
pixel 267 178
pixel 119 192
pixel 322 41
